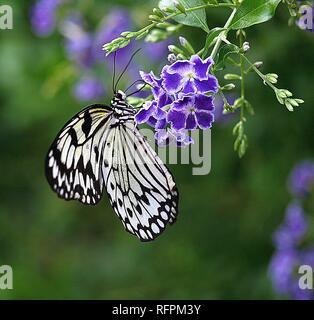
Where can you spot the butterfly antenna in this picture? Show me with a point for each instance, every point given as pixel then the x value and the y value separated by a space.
pixel 131 94
pixel 140 80
pixel 126 67
pixel 114 72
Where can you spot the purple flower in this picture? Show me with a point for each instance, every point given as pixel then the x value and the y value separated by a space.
pixel 167 136
pixel 189 77
pixel 43 16
pixel 156 50
pixel 192 112
pixel 282 269
pixel 78 42
pixel 293 229
pixel 88 88
pixel 180 100
pixel 117 21
pixel 302 178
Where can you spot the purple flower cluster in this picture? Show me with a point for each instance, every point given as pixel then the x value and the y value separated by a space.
pixel 43 16
pixel 301 179
pixel 289 239
pixel 182 101
pixel 83 46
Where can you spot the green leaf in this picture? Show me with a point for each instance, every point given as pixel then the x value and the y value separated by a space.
pixel 222 55
pixel 210 38
pixel 195 18
pixel 252 12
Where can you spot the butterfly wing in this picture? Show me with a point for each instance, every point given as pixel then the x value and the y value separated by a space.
pixel 73 163
pixel 140 187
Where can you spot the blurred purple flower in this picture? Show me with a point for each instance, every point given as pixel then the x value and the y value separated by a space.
pixel 284 274
pixel 88 88
pixel 117 21
pixel 78 42
pixel 302 178
pixel 281 270
pixel 220 117
pixel 293 228
pixel 43 16
pixel 289 255
pixel 156 51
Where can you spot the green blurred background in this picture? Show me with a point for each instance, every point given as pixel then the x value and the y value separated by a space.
pixel 220 246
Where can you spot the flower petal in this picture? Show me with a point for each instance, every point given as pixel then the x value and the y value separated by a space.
pixel 177 119
pixel 149 78
pixel 154 82
pixel 189 87
pixel 171 82
pixel 163 100
pixel 183 104
pixel 149 108
pixel 204 119
pixel 160 114
pixel 203 102
pixel 209 85
pixel 162 137
pixel 161 124
pixel 182 68
pixel 201 68
pixel 152 122
pixel 191 122
pixel 181 136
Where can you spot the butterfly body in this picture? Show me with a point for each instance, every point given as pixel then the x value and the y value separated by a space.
pixel 102 148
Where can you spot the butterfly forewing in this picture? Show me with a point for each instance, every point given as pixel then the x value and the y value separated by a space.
pixel 73 163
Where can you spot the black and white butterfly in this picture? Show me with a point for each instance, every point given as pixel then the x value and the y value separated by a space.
pixel 101 148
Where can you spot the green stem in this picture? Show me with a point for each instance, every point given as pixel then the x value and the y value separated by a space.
pixel 258 72
pixel 242 64
pixel 223 34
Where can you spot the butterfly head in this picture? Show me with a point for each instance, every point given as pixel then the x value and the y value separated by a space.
pixel 120 105
pixel 120 95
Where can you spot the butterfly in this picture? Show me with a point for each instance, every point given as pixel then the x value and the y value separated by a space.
pixel 102 150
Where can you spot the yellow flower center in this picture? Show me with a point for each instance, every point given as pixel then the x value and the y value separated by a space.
pixel 190 75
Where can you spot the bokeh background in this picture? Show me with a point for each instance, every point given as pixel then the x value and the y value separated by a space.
pixel 221 245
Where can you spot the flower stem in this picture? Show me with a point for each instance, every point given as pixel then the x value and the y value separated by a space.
pixel 222 35
pixel 242 66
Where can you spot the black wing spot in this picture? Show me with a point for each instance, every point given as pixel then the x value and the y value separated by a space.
pixel 106 164
pixel 130 212
pixel 139 209
pixel 87 123
pixel 96 150
pixel 73 136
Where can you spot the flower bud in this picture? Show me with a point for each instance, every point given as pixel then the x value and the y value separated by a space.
pixel 246 46
pixel 228 87
pixel 172 58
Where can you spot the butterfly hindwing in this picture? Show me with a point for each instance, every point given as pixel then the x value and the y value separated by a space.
pixel 140 187
pixel 73 163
